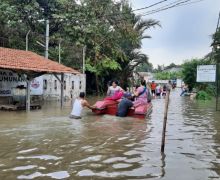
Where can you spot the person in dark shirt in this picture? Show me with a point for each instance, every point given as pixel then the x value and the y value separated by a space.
pixel 124 106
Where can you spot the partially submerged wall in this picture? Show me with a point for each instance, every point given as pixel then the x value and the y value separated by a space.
pixel 46 86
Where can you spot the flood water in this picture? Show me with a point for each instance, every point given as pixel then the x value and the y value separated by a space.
pixel 46 144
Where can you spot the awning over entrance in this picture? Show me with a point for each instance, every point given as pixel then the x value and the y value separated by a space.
pixel 32 65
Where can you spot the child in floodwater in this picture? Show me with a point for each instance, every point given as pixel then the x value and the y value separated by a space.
pixel 78 106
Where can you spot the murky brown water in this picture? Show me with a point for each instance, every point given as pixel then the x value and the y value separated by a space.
pixel 46 144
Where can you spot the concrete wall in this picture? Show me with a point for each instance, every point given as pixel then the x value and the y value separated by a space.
pixel 46 86
pixel 74 84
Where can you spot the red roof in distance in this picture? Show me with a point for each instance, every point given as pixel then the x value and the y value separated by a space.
pixel 14 59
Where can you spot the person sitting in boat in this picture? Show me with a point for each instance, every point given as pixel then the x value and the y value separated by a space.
pixel 124 105
pixel 78 106
pixel 141 95
pixel 114 92
pixel 113 88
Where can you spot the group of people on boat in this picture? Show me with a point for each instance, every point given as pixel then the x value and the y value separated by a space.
pixel 140 95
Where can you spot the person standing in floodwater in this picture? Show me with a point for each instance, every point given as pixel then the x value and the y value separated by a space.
pixel 158 91
pixel 153 88
pixel 78 106
pixel 169 86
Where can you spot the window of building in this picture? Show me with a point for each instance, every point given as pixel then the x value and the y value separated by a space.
pixel 45 84
pixel 72 84
pixel 64 86
pixel 55 84
pixel 80 84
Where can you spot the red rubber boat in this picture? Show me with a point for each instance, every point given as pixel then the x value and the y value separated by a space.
pixel 110 107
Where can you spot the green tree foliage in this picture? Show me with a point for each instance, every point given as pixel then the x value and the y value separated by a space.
pixel 189 73
pixel 216 45
pixel 168 75
pixel 145 67
pixel 203 95
pixel 110 30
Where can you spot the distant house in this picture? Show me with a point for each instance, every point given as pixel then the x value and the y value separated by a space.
pixel 147 76
pixel 173 69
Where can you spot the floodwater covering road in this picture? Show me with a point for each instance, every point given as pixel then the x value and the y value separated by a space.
pixel 46 144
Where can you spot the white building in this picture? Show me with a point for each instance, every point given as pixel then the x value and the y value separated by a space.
pixel 46 86
pixel 73 85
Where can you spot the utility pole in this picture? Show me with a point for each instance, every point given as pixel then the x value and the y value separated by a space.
pixel 47 39
pixel 27 40
pixel 59 51
pixel 84 56
pixel 217 66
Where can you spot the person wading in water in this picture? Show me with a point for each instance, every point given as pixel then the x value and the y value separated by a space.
pixel 78 106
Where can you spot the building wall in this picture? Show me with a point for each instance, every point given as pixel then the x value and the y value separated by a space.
pixel 74 84
pixel 46 86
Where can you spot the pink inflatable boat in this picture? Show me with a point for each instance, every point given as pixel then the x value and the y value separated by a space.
pixel 110 107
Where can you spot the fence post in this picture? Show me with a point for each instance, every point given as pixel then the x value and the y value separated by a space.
pixel 165 121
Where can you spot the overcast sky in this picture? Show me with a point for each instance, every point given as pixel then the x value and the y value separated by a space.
pixel 185 32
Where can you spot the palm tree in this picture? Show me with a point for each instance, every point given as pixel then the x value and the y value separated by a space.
pixel 132 48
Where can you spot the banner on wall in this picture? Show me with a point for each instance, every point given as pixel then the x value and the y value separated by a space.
pixel 37 86
pixel 10 80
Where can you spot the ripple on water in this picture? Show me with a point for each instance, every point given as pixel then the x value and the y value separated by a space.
pixel 94 165
pixel 121 165
pixel 89 159
pixel 139 172
pixel 132 152
pixel 42 157
pixel 86 147
pixel 122 138
pixel 114 159
pixel 130 145
pixel 54 175
pixel 134 160
pixel 21 168
pixel 27 151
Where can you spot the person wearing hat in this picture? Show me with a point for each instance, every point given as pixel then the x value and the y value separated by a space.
pixel 124 105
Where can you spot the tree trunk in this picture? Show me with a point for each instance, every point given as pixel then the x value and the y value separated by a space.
pixel 97 84
pixel 96 76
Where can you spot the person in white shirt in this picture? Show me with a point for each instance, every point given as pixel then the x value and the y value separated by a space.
pixel 78 106
pixel 158 90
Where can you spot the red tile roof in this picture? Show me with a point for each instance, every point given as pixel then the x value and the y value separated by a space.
pixel 29 61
